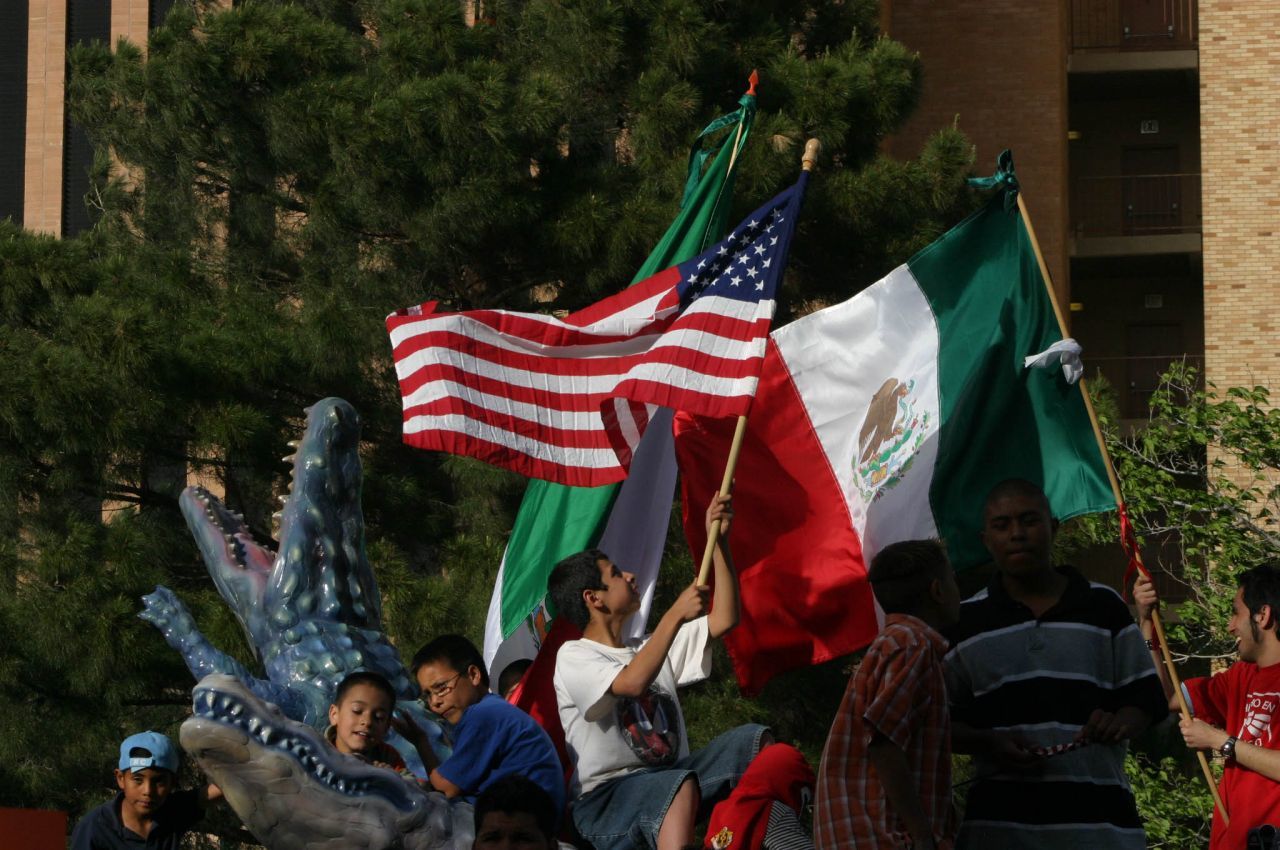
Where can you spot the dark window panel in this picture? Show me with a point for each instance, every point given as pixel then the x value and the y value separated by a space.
pixel 87 20
pixel 13 107
pixel 158 10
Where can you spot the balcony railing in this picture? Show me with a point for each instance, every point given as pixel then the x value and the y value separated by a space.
pixel 1133 24
pixel 1135 205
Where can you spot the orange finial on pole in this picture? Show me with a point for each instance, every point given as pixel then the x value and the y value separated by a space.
pixel 752 81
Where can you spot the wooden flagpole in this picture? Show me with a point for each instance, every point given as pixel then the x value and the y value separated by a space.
pixel 811 149
pixel 1115 490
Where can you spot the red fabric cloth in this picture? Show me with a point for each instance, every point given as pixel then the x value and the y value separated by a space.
pixel 1244 700
pixel 898 692
pixel 1129 542
pixel 778 774
pixel 804 591
pixel 536 694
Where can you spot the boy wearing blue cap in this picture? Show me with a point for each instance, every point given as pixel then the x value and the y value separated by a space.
pixel 147 812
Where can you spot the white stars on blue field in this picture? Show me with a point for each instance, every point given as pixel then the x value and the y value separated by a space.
pixel 745 256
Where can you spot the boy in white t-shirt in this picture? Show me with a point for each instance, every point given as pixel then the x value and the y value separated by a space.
pixel 635 781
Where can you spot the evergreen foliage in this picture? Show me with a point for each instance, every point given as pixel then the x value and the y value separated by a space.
pixel 276 177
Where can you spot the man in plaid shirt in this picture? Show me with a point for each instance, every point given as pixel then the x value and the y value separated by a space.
pixel 885 779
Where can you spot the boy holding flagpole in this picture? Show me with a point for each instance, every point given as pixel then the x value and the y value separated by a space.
pixel 1235 711
pixel 635 782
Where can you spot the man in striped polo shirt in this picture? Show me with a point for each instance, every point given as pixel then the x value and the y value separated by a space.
pixel 1048 677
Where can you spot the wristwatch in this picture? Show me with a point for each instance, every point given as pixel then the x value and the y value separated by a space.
pixel 1228 748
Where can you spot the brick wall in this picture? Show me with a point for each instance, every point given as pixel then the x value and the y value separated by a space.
pixel 1240 156
pixel 129 20
pixel 46 72
pixel 998 68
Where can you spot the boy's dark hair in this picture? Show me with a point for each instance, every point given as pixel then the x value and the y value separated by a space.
pixel 512 673
pixel 569 579
pixel 455 650
pixel 1261 586
pixel 514 794
pixel 901 573
pixel 364 677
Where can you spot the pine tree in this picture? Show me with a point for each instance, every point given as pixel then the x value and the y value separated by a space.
pixel 272 180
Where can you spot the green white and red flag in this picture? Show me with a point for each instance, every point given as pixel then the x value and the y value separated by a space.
pixel 889 417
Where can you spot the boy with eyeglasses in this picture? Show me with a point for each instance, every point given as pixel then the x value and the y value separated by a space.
pixel 492 738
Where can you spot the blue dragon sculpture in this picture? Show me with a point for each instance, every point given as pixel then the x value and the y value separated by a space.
pixel 313 614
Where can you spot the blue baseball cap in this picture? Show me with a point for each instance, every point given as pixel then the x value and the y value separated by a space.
pixel 163 754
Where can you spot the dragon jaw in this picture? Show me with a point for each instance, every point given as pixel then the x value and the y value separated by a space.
pixel 292 790
pixel 239 565
pixel 312 611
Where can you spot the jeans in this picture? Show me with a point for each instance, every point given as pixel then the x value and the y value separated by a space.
pixel 628 811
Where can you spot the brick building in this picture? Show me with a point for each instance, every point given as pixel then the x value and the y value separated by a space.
pixel 1143 132
pixel 1144 135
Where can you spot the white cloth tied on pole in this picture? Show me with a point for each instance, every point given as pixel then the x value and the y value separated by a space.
pixel 1065 351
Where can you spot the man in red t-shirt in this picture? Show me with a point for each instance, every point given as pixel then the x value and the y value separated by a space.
pixel 1236 711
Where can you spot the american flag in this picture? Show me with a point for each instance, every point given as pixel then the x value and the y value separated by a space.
pixel 567 400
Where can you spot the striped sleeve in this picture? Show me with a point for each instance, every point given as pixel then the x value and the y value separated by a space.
pixel 959 686
pixel 1136 682
pixel 784 831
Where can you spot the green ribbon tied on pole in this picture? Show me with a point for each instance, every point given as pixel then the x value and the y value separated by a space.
pixel 700 151
pixel 1004 180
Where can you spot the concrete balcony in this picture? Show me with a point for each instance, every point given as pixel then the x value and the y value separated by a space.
pixel 1113 216
pixel 1133 35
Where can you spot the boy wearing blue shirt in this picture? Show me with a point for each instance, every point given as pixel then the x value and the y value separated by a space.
pixel 492 738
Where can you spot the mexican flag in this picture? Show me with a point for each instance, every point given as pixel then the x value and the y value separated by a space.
pixel 889 417
pixel 629 520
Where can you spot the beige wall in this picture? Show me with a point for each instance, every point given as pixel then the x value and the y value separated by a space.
pixel 129 20
pixel 998 69
pixel 1240 154
pixel 46 71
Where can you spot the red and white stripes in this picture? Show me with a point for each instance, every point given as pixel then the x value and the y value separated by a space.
pixel 568 399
